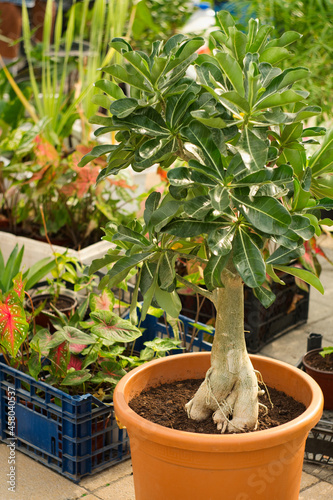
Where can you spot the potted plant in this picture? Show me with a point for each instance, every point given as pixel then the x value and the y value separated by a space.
pixel 62 382
pixel 319 364
pixel 232 143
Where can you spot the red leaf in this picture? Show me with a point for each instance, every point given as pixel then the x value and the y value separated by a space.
pixel 13 324
pixel 74 363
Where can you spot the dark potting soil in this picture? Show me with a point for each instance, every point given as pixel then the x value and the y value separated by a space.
pixel 315 360
pixel 164 405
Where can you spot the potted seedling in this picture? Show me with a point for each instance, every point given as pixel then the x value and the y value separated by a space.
pixel 319 364
pixel 232 140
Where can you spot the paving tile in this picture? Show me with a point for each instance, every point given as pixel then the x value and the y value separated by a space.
pixel 118 490
pixel 107 476
pixel 320 491
pixel 34 481
pixel 88 496
pixel 307 480
pixel 321 471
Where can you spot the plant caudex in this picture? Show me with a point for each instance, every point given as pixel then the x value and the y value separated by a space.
pixel 242 180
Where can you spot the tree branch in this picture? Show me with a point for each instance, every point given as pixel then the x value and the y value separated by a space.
pixel 195 288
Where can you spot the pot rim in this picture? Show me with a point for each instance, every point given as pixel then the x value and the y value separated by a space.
pixel 312 368
pixel 224 442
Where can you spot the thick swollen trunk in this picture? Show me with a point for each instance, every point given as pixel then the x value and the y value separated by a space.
pixel 230 390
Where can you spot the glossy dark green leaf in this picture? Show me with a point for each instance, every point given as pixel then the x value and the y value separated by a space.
pixel 265 213
pixel 96 152
pixel 219 198
pixel 248 260
pixel 167 272
pixel 198 207
pixel 151 205
pixel 265 296
pixel 285 255
pixel 253 150
pixel 237 100
pixel 126 234
pixel 220 240
pixel 201 136
pixel 185 177
pixel 149 122
pixel 213 271
pixel 164 214
pixel 123 107
pixel 187 228
pixel 302 227
pixel 121 268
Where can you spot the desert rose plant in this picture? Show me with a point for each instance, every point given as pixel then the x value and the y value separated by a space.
pixel 243 193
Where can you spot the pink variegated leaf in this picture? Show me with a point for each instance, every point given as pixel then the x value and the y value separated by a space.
pixel 19 285
pixel 103 302
pixel 75 363
pixel 13 324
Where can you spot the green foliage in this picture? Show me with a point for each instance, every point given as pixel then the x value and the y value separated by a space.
pixel 242 179
pixel 156 18
pixel 314 19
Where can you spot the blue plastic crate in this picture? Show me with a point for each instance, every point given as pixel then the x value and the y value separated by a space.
pixel 73 435
pixel 196 338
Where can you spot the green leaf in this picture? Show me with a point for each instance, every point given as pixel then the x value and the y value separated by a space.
pixel 75 336
pixel 248 260
pixel 322 160
pixel 111 327
pixel 304 275
pixel 96 152
pixel 110 88
pixel 124 107
pixel 232 70
pixel 186 177
pixel 281 99
pixel 187 228
pixel 121 268
pixel 134 79
pixel 139 63
pixel 273 55
pixel 225 20
pixel 148 122
pixel 198 207
pixel 76 377
pixel 210 121
pixel 265 213
pixel 164 214
pixel 285 255
pixel 253 150
pixel 126 234
pixel 213 271
pixel 167 272
pixel 286 39
pixel 201 136
pixel 236 99
pixel 219 197
pixel 265 296
pixel 151 205
pixel 220 240
pixel 169 302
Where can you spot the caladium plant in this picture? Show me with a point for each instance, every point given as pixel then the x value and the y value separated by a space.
pixel 244 192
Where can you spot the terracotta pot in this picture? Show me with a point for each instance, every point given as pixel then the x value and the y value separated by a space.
pixel 171 464
pixel 323 378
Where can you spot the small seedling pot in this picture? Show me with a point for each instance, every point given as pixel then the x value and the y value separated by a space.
pixel 322 377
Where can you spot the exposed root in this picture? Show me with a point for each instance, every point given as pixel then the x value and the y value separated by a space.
pixel 230 398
